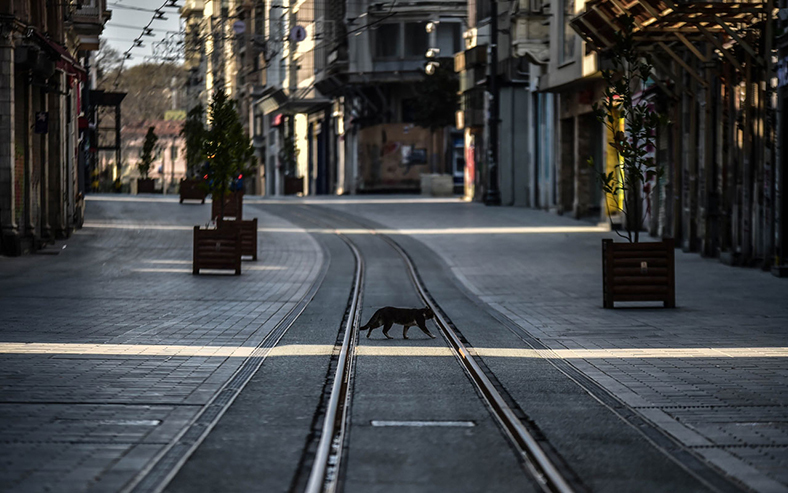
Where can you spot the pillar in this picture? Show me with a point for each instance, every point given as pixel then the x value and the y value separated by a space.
pixel 8 225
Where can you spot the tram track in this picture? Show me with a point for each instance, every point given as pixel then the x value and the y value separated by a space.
pixel 323 476
pixel 542 459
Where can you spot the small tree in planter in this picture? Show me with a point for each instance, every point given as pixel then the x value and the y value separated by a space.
pixel 145 184
pixel 227 149
pixel 632 271
pixel 193 132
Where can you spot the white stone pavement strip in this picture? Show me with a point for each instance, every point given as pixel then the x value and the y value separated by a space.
pixel 712 373
pixel 113 346
pixel 312 350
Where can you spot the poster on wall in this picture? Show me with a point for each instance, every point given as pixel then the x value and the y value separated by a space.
pixel 392 157
pixel 470 165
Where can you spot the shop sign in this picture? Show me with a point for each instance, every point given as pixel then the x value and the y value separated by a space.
pixel 42 122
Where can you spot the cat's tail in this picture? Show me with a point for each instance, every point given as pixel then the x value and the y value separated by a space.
pixel 370 324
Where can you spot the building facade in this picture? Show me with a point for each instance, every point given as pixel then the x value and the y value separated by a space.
pixel 45 142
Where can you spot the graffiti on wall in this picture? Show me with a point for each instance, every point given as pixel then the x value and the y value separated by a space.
pixel 393 156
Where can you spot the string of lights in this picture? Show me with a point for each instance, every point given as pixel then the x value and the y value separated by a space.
pixel 174 48
pixel 158 14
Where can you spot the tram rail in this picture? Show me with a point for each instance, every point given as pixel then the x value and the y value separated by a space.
pixel 324 473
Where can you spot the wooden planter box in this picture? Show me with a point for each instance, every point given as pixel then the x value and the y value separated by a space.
pixel 217 249
pixel 639 272
pixel 233 205
pixel 191 189
pixel 248 231
pixel 293 185
pixel 146 185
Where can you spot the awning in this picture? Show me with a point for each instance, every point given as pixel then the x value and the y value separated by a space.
pixel 65 61
pixel 100 97
pixel 305 106
pixel 280 101
pixel 272 103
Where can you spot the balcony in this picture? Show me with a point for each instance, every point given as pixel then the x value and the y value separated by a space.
pixel 191 7
pixel 531 36
pixel 88 22
pixel 398 65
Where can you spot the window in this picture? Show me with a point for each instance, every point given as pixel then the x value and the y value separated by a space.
pixel 567 33
pixel 482 11
pixel 416 39
pixel 387 41
pixel 409 110
pixel 449 38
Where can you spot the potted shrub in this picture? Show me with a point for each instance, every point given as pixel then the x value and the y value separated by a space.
pixel 193 186
pixel 145 184
pixel 226 149
pixel 248 232
pixel 632 271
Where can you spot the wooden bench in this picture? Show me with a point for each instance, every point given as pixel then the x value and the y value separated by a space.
pixel 248 231
pixel 639 272
pixel 217 249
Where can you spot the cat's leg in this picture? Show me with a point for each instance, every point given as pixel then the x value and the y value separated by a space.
pixel 386 329
pixel 424 328
pixel 405 328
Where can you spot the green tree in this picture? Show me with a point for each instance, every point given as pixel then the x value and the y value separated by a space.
pixel 633 141
pixel 148 153
pixel 226 146
pixel 150 87
pixel 193 133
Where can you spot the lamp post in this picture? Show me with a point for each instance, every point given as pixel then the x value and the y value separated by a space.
pixel 493 194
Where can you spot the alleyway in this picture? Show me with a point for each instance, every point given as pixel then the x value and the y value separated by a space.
pixel 121 371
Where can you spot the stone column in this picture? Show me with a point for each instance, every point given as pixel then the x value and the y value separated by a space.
pixel 43 141
pixel 7 193
pixel 56 195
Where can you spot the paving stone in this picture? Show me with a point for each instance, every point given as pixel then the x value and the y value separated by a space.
pixel 101 346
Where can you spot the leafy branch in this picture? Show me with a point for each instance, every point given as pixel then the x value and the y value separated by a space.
pixel 633 123
pixel 226 146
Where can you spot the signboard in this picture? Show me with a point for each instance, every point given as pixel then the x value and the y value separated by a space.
pixel 239 27
pixel 42 122
pixel 298 34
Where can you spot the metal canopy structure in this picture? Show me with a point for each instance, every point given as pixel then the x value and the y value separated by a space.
pixel 714 61
pixel 657 22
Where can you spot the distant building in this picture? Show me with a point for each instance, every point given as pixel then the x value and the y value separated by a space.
pixel 169 165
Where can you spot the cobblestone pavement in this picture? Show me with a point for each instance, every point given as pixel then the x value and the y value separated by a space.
pixel 712 373
pixel 111 347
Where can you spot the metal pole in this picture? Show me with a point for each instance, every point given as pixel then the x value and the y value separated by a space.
pixel 493 195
